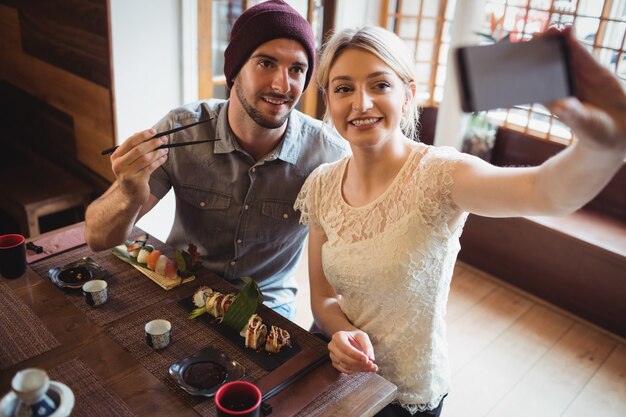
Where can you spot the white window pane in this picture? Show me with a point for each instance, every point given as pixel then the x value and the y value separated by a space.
pixel 427 29
pixel 540 4
pixel 431 8
pixel 514 19
pixel 423 72
pixel 539 122
pixel 450 10
pixel 424 52
pixel 590 8
pixel 586 29
pixel 438 94
pixel 410 45
pixel 411 7
pixel 518 117
pixel 614 34
pixel 518 3
pixel 441 74
pixel 560 130
pixel 568 6
pixel 408 28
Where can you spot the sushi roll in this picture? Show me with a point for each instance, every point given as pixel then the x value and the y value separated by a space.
pixel 277 339
pixel 200 296
pixel 254 321
pixel 226 302
pixel 160 265
pixel 143 253
pixel 255 336
pixel 214 304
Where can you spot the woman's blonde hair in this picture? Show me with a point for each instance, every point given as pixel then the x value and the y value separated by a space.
pixel 383 44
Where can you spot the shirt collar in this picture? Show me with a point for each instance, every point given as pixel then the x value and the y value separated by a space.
pixel 288 149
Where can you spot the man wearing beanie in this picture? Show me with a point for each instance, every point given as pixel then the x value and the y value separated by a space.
pixel 235 195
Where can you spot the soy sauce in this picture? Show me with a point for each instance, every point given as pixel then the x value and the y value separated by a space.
pixel 204 375
pixel 236 402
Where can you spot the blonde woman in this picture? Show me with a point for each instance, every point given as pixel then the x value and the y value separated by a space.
pixel 384 222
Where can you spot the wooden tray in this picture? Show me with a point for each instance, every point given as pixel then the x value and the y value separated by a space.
pixel 162 281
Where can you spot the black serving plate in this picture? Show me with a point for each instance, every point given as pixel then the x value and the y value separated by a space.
pixel 75 274
pixel 266 360
pixel 204 372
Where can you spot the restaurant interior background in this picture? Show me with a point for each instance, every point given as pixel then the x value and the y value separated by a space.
pixel 78 76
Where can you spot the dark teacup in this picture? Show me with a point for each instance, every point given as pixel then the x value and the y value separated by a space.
pixel 238 398
pixel 12 256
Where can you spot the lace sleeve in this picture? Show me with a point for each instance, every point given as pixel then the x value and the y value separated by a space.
pixel 307 200
pixel 436 184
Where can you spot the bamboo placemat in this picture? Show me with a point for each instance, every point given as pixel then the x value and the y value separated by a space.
pixel 22 334
pixel 188 337
pixel 129 290
pixel 91 397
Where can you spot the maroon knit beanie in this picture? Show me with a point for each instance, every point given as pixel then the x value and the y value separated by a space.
pixel 264 22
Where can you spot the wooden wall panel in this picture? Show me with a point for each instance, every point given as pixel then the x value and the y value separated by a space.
pixel 72 75
pixel 79 52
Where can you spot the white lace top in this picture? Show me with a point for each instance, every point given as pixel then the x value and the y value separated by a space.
pixel 392 261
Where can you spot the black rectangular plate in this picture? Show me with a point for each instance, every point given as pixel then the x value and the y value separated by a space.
pixel 265 360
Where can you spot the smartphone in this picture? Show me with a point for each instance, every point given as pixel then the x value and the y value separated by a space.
pixel 507 74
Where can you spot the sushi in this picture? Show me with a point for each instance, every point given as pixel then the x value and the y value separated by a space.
pixel 200 296
pixel 135 247
pixel 277 338
pixel 143 253
pixel 160 265
pixel 152 259
pixel 214 304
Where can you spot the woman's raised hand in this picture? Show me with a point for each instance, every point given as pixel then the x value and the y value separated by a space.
pixel 597 114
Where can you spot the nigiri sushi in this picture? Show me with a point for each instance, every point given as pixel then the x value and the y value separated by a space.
pixel 143 253
pixel 152 259
pixel 159 267
pixel 170 268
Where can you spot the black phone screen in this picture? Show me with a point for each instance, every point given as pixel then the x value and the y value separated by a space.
pixel 508 74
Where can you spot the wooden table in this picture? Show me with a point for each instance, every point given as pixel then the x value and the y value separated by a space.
pixel 124 376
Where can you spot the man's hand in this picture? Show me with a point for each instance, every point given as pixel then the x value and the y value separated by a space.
pixel 134 161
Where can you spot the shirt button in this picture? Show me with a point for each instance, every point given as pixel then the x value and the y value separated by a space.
pixel 232 263
pixel 239 241
pixel 246 207
pixel 253 170
pixel 285 216
pixel 202 204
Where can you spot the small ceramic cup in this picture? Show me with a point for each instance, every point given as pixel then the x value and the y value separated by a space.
pixel 158 333
pixel 95 292
pixel 31 387
pixel 12 256
pixel 238 398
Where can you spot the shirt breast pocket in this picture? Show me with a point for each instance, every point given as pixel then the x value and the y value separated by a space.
pixel 281 220
pixel 210 206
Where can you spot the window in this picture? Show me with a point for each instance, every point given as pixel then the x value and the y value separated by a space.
pixel 425 26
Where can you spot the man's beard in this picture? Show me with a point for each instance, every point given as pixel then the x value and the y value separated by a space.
pixel 255 114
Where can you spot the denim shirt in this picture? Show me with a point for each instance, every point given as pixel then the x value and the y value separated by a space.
pixel 238 211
